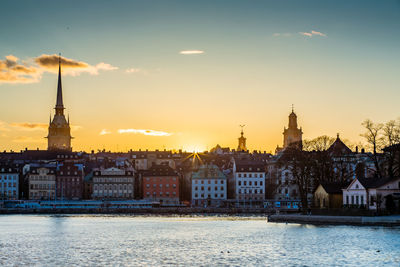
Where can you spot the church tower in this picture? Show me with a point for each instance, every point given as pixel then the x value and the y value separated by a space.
pixel 242 142
pixel 292 135
pixel 59 136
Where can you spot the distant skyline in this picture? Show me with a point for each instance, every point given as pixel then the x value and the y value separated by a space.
pixel 186 74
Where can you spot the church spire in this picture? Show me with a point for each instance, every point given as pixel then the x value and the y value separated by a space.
pixel 59 103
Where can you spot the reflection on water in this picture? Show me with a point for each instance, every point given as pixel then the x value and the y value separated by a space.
pixel 211 240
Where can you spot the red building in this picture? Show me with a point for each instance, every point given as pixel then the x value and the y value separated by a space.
pixel 161 183
pixel 69 181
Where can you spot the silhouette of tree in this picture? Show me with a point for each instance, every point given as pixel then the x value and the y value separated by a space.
pixel 374 138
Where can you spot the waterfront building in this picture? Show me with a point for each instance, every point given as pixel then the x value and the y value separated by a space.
pixel 42 183
pixel 161 183
pixel 249 177
pixel 329 195
pixel 69 181
pixel 9 182
pixel 113 183
pixel 209 186
pixel 370 193
pixel 59 137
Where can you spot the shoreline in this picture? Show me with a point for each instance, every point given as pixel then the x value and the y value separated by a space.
pixel 387 221
pixel 393 220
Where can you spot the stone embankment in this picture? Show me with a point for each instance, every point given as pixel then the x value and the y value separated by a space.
pixel 336 220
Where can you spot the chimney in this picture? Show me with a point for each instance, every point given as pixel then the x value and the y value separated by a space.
pixel 357 149
pixel 362 150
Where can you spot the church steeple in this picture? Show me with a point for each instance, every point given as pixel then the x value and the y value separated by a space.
pixel 59 136
pixel 59 104
pixel 242 141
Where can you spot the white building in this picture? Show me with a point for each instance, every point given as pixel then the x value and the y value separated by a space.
pixel 249 180
pixel 209 186
pixel 9 185
pixel 370 192
pixel 113 183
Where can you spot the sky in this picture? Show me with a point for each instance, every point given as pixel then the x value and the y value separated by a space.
pixel 185 74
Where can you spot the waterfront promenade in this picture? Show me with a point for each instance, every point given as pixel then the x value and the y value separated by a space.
pixel 393 220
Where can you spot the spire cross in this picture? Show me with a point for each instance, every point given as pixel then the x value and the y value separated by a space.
pixel 292 108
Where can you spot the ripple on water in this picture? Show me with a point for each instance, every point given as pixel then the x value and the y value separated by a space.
pixel 197 241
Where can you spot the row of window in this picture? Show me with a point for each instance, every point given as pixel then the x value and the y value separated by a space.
pixel 161 194
pixel 9 185
pixel 208 181
pixel 250 175
pixel 9 177
pixel 42 178
pixel 111 187
pixel 42 186
pixel 161 186
pixel 68 173
pixel 113 180
pixel 250 191
pixel 260 183
pixel 111 194
pixel 357 200
pixel 161 179
pixel 209 195
pixel 208 188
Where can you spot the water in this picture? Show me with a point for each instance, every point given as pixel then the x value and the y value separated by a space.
pixel 190 241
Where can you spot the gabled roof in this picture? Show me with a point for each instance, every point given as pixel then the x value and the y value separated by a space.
pixel 375 182
pixel 334 187
pixel 338 148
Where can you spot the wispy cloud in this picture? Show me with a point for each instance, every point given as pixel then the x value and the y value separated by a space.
pixel 27 139
pixel 30 126
pixel 133 70
pixel 313 33
pixel 13 70
pixel 191 52
pixel 145 132
pixel 278 34
pixel 104 132
pixel 71 66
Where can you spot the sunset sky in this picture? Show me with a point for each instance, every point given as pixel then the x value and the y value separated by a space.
pixel 186 74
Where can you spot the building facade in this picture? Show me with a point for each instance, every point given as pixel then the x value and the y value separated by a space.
pixel 69 181
pixel 161 183
pixel 9 183
pixel 42 183
pixel 59 137
pixel 113 183
pixel 249 180
pixel 209 187
pixel 370 193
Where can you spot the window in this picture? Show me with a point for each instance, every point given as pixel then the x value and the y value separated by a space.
pixel 245 182
pixel 222 188
pixel 195 188
pixel 148 185
pixel 357 203
pixel 250 182
pixel 202 188
pixel 209 181
pixel 352 200
pixel 240 183
pixel 216 188
pixel 255 183
pixel 362 200
pixel 240 175
pixel 347 200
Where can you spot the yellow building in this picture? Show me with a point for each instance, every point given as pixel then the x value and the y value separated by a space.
pixel 329 196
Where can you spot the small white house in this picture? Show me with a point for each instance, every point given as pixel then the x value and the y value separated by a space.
pixel 370 192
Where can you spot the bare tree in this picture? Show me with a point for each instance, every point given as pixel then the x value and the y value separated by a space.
pixel 300 164
pixel 374 138
pixel 391 135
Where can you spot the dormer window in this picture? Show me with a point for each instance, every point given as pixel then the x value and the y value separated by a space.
pixel 357 186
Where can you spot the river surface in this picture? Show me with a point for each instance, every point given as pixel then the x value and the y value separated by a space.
pixel 27 240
